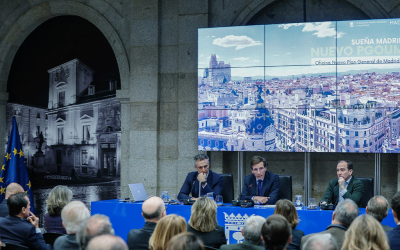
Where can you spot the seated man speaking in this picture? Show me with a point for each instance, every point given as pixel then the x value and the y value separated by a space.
pixel 346 186
pixel 203 177
pixel 261 186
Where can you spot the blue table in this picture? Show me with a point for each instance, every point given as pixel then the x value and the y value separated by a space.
pixel 126 216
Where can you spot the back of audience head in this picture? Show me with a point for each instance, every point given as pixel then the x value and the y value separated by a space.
pixel 395 204
pixel 365 233
pixel 346 211
pixel 286 209
pixel 73 214
pixel 107 242
pixel 166 228
pixel 13 188
pixel 321 242
pixel 185 241
pixel 276 232
pixel 378 207
pixel 203 216
pixel 16 203
pixel 58 198
pixel 153 209
pixel 96 225
pixel 252 228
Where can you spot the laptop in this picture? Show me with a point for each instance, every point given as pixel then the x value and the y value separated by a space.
pixel 138 192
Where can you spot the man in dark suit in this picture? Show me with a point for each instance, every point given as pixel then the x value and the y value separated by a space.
pixel 345 213
pixel 378 207
pixel 153 209
pixel 276 232
pixel 203 177
pixel 346 186
pixel 394 235
pixel 321 241
pixel 106 242
pixel 21 226
pixel 12 188
pixel 251 232
pixel 261 186
pixel 95 225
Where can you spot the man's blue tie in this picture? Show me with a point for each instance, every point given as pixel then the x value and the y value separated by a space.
pixel 259 187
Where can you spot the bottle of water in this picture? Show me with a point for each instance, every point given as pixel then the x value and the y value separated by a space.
pixel 298 202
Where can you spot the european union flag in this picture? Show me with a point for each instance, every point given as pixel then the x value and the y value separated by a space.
pixel 14 168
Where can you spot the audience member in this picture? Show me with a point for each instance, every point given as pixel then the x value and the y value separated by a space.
pixel 12 188
pixel 276 232
pixel 394 235
pixel 185 241
pixel 344 214
pixel 21 226
pixel 107 242
pixel 251 233
pixel 286 209
pixel 365 233
pixel 73 214
pixel 96 225
pixel 166 228
pixel 378 207
pixel 58 198
pixel 321 242
pixel 203 223
pixel 153 209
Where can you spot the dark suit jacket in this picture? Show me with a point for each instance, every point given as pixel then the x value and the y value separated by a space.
pixel 246 245
pixel 191 185
pixel 296 240
pixel 394 238
pixel 215 238
pixel 3 208
pixel 355 190
pixel 139 238
pixel 270 187
pixel 337 232
pixel 14 230
pixel 66 242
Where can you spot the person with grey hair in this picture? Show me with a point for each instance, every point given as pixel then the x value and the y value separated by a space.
pixel 96 225
pixel 251 233
pixel 107 242
pixel 345 213
pixel 201 181
pixel 378 207
pixel 321 242
pixel 12 188
pixel 73 214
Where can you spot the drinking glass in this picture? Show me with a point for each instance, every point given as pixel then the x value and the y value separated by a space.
pixel 312 203
pixel 210 195
pixel 219 200
pixel 164 196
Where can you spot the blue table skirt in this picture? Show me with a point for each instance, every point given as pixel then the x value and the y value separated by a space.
pixel 126 216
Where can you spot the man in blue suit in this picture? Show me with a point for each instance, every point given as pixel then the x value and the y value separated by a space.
pixel 262 186
pixel 21 227
pixel 203 177
pixel 394 235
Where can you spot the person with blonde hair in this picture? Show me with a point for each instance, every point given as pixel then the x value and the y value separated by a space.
pixel 286 209
pixel 166 228
pixel 58 198
pixel 365 233
pixel 203 223
pixel 185 241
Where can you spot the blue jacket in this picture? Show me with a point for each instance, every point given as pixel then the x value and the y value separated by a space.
pixel 394 238
pixel 270 187
pixel 191 185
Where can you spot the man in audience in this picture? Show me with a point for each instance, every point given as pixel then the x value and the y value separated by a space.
pixel 378 207
pixel 72 215
pixel 346 186
pixel 203 177
pixel 344 214
pixel 107 242
pixel 12 188
pixel 394 235
pixel 21 226
pixel 276 232
pixel 96 225
pixel 153 209
pixel 321 242
pixel 262 186
pixel 251 233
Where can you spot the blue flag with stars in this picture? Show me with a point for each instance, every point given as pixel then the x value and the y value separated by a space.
pixel 14 168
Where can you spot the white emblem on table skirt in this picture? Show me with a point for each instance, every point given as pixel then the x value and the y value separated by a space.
pixel 233 227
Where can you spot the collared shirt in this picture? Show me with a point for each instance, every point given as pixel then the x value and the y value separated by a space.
pixel 342 192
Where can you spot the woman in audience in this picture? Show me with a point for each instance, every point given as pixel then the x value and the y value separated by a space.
pixel 203 223
pixel 185 241
pixel 166 228
pixel 58 198
pixel 365 233
pixel 286 209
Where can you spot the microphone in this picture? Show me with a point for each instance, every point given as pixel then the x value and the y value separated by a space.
pixel 333 192
pixel 191 190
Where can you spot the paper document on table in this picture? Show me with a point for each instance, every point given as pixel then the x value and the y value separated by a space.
pixel 264 206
